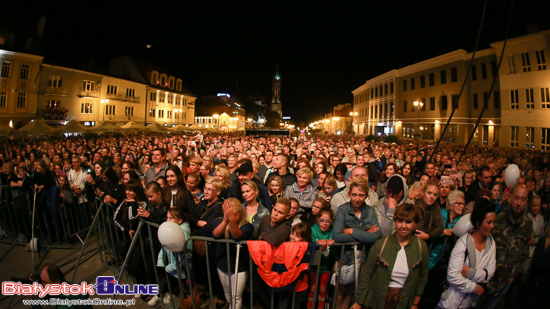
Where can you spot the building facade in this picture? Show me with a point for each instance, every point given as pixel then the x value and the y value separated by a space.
pixel 220 112
pixel 525 87
pixel 417 100
pixel 337 122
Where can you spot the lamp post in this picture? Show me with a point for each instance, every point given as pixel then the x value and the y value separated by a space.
pixel 418 105
pixel 353 115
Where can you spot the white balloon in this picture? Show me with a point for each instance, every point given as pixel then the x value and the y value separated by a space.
pixel 511 175
pixel 34 244
pixel 171 236
pixel 463 226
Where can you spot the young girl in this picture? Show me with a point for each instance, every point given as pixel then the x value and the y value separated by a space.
pixel 192 182
pixel 321 233
pixel 168 260
pixel 300 232
pixel 276 189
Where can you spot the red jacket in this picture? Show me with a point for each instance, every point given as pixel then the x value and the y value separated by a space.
pixel 281 266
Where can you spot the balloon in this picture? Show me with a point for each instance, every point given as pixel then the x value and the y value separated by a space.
pixel 171 236
pixel 34 244
pixel 463 226
pixel 511 175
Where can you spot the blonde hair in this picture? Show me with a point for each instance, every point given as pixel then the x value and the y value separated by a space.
pixel 239 208
pixel 226 175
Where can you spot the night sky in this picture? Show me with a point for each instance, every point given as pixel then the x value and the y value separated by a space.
pixel 325 49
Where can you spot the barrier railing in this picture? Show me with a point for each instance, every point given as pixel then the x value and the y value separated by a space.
pixel 40 220
pixel 143 246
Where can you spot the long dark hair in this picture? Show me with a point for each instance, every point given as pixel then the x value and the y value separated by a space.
pixel 136 187
pixel 181 185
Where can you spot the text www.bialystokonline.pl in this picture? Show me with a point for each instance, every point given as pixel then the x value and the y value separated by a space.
pixel 76 302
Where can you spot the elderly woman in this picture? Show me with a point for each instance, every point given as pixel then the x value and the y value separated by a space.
pixel 302 190
pixel 255 211
pixel 473 261
pixel 396 270
pixel 355 221
pixel 444 244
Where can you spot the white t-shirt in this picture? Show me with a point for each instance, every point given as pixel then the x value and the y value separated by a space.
pixel 400 271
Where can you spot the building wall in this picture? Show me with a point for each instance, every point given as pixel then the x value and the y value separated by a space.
pixel 527 119
pixel 435 83
pixel 18 92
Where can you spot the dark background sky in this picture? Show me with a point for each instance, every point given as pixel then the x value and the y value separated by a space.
pixel 325 49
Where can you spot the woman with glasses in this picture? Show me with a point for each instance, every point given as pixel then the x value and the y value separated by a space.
pixel 443 245
pixel 310 218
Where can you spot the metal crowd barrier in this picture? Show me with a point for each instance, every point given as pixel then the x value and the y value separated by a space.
pixel 25 217
pixel 108 238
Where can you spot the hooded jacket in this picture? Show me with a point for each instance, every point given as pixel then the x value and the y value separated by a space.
pixel 384 214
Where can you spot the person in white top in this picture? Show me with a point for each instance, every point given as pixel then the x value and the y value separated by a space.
pixel 77 177
pixel 473 261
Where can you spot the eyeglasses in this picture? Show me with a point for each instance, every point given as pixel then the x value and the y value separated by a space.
pixel 325 221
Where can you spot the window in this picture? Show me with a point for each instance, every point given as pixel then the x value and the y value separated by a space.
pixel 53 103
pixel 404 106
pixel 154 78
pixel 422 81
pixel 525 62
pixel 530 137
pixel 22 100
pixel 376 92
pixel 385 89
pixel 110 110
pixel 129 111
pixel 431 78
pixel 176 115
pixel 412 84
pixel 545 97
pixel 484 71
pixel 3 99
pixel 112 89
pixel 170 98
pixel 443 76
pixel 6 68
pixel 529 101
pixel 391 87
pixel 391 109
pixel 25 69
pixel 404 85
pixel 454 99
pixel 161 113
pixel 153 96
pixel 178 85
pixel 476 101
pixel 454 75
pixel 178 100
pixel 163 80
pixel 130 93
pixel 545 139
pixel 171 83
pixel 86 108
pixel 55 81
pixel 496 99
pixel 474 72
pixel 162 98
pixel 514 136
pixel 168 114
pixel 371 112
pixel 386 110
pixel 444 102
pixel 511 65
pixel 432 103
pixel 514 99
pixel 152 113
pixel 541 61
pixel 89 85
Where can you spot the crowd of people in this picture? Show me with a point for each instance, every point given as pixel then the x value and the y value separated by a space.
pixel 399 202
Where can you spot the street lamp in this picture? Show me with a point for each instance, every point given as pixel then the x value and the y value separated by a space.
pixel 418 105
pixel 352 114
